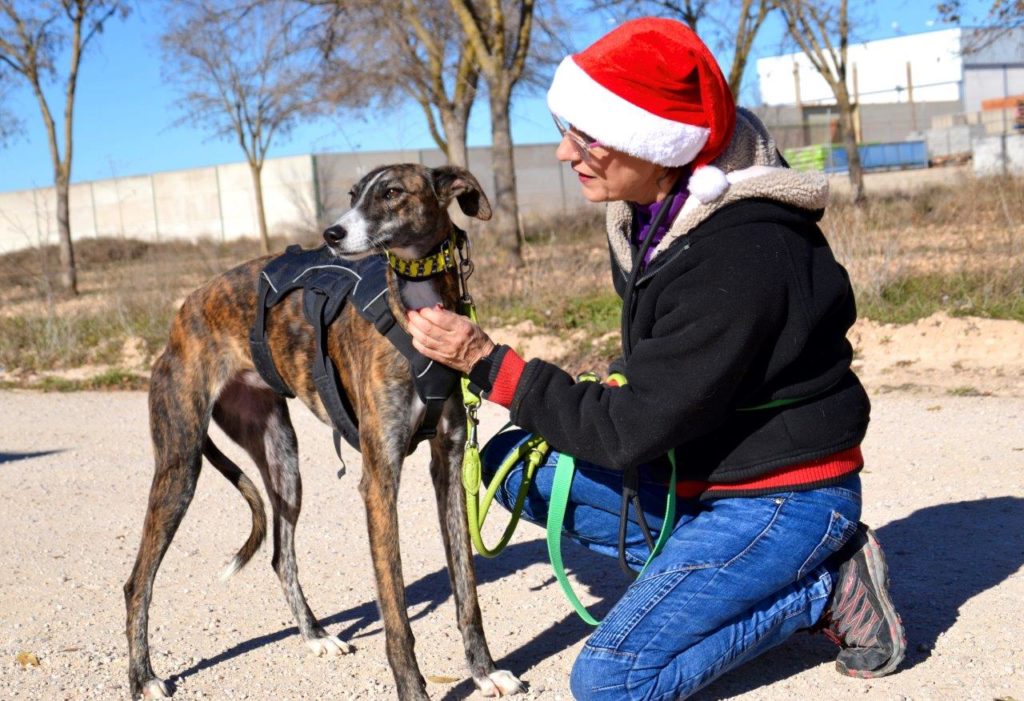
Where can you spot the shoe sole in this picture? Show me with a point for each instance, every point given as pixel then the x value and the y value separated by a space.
pixel 878 570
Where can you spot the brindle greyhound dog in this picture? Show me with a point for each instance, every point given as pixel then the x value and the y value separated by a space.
pixel 206 371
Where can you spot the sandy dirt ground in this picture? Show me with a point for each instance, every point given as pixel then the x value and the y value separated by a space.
pixel 944 487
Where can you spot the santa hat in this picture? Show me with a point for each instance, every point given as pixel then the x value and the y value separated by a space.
pixel 651 88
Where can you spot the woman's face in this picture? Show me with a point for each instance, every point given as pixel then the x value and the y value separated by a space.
pixel 609 175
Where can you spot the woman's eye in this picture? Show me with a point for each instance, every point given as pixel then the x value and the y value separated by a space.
pixel 392 193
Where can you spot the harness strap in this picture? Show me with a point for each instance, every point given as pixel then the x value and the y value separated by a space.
pixel 325 376
pixel 262 358
pixel 434 383
pixel 327 286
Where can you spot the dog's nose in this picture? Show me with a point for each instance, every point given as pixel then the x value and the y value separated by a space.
pixel 334 234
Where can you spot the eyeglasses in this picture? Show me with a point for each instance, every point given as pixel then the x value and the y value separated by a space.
pixel 580 141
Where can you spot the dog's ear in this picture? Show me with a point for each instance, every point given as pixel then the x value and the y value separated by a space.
pixel 453 181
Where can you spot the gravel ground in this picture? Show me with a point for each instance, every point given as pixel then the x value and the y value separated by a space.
pixel 944 488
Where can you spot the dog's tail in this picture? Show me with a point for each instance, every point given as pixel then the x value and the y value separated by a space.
pixel 243 484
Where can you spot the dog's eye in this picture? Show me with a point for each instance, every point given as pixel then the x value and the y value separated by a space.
pixel 392 193
pixel 352 195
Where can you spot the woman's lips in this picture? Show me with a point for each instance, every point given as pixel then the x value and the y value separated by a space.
pixel 584 177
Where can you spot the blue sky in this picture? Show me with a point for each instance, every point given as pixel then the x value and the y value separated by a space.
pixel 125 117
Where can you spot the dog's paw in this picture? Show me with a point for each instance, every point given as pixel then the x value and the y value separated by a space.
pixel 500 682
pixel 329 645
pixel 156 689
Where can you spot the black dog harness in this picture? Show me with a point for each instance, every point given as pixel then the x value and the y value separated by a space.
pixel 327 284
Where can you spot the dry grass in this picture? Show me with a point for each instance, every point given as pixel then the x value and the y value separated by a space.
pixel 957 249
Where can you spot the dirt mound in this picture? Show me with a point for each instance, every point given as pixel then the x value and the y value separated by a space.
pixel 944 354
pixel 937 355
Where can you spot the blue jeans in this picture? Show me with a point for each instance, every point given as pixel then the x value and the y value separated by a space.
pixel 738 576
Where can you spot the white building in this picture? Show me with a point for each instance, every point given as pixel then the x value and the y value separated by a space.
pixel 937 66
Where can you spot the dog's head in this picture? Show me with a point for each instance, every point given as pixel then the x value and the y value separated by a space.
pixel 404 209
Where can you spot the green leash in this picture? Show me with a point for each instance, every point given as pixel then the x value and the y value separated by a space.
pixel 533 452
pixel 565 469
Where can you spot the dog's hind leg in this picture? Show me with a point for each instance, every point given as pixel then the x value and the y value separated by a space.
pixel 258 420
pixel 446 453
pixel 178 421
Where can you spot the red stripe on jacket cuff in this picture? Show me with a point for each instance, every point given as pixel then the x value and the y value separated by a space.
pixel 503 390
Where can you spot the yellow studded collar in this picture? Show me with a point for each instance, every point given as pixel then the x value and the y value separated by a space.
pixel 422 268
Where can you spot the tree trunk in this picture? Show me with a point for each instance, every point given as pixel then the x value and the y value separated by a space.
pixel 458 155
pixel 455 134
pixel 261 216
pixel 856 171
pixel 68 272
pixel 506 207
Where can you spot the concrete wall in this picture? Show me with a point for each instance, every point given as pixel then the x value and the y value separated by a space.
pixel 999 155
pixel 219 202
pixel 216 202
pixel 794 127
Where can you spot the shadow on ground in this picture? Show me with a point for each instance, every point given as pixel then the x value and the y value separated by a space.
pixel 939 557
pixel 427 593
pixel 14 457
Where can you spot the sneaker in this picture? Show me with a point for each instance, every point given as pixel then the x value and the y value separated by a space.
pixel 861 618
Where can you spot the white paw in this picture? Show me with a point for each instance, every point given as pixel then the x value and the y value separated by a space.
pixel 499 683
pixel 329 645
pixel 155 689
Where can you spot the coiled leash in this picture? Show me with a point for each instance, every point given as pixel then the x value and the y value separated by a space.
pixel 565 469
pixel 535 450
pixel 532 451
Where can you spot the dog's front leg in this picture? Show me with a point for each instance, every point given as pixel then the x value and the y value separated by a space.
pixel 446 470
pixel 379 487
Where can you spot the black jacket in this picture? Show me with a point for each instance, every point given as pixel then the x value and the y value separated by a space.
pixel 748 307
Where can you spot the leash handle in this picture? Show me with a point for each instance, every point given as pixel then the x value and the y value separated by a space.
pixel 565 469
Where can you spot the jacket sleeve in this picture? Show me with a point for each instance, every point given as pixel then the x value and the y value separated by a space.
pixel 685 378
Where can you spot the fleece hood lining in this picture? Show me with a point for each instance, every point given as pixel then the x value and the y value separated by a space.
pixel 753 168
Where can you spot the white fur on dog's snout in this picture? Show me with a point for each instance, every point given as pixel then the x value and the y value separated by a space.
pixel 500 682
pixel 357 242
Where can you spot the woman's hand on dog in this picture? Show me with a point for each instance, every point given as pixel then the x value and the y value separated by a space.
pixel 448 338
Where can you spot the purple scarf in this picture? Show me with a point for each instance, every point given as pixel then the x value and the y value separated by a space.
pixel 643 215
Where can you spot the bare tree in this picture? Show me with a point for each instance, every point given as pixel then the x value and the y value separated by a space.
pixel 822 31
pixel 734 26
pixel 1004 17
pixel 441 71
pixel 499 33
pixel 245 72
pixel 10 124
pixel 32 33
pixel 414 49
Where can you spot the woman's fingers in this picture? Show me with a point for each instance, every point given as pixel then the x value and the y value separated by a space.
pixel 448 338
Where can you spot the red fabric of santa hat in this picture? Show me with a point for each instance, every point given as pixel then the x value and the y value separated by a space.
pixel 651 88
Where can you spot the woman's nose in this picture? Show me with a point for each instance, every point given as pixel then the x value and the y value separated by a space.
pixel 566 151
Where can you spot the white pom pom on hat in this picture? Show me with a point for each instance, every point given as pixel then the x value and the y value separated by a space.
pixel 651 88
